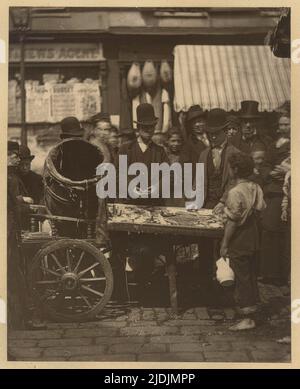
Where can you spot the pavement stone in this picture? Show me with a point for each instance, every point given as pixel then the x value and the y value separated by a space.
pixel 201 313
pixel 226 356
pixel 65 342
pixel 171 357
pixel 27 352
pixel 151 330
pixel 200 346
pixel 105 358
pixel 72 351
pixel 129 348
pixel 22 343
pixel 174 339
pixel 91 332
pixel 270 356
pixel 119 339
pixel 39 334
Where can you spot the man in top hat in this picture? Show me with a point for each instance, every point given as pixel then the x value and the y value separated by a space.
pixel 250 119
pixel 32 183
pixel 142 248
pixel 196 127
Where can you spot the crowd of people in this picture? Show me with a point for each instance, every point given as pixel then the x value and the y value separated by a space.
pixel 247 183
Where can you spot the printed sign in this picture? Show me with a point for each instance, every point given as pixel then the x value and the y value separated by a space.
pixel 58 52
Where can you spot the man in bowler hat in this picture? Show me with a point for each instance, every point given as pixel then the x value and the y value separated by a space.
pixel 77 160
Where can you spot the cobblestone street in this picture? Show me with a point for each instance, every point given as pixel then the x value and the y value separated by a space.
pixel 125 333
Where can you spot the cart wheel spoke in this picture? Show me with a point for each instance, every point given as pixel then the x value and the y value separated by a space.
pixel 79 261
pixel 85 299
pixel 69 260
pixel 88 269
pixel 47 270
pixel 57 262
pixel 48 282
pixel 92 290
pixel 72 279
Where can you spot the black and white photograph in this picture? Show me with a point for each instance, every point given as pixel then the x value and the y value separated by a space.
pixel 149 184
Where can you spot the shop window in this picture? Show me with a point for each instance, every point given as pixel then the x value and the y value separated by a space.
pixel 147 82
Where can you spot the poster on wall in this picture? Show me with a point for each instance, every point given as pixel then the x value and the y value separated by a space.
pixel 63 102
pixel 38 106
pixel 87 97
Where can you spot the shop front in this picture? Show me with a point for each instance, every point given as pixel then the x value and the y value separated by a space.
pixel 61 79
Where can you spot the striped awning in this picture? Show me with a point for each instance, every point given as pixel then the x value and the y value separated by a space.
pixel 223 76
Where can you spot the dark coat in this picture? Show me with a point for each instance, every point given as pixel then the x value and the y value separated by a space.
pixel 229 150
pixel 32 186
pixel 248 146
pixel 154 154
pixel 194 148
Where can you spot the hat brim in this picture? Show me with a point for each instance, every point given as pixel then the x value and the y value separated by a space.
pixel 195 115
pixel 249 116
pixel 216 129
pixel 146 123
pixel 80 133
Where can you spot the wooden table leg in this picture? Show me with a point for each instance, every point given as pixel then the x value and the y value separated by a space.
pixel 171 271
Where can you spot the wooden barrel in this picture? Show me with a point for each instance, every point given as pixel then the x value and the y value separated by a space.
pixel 70 179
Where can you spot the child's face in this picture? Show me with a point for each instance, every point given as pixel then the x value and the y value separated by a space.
pixel 258 158
pixel 175 143
pixel 198 126
pixel 113 139
pixel 231 131
pixel 102 130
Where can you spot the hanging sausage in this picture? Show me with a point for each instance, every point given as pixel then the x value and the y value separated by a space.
pixel 149 77
pixel 134 79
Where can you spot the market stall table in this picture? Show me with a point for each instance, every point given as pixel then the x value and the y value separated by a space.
pixel 176 224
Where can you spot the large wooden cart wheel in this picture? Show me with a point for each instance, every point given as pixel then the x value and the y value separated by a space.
pixel 71 280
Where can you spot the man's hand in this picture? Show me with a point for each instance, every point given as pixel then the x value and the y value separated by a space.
pixel 28 200
pixel 219 208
